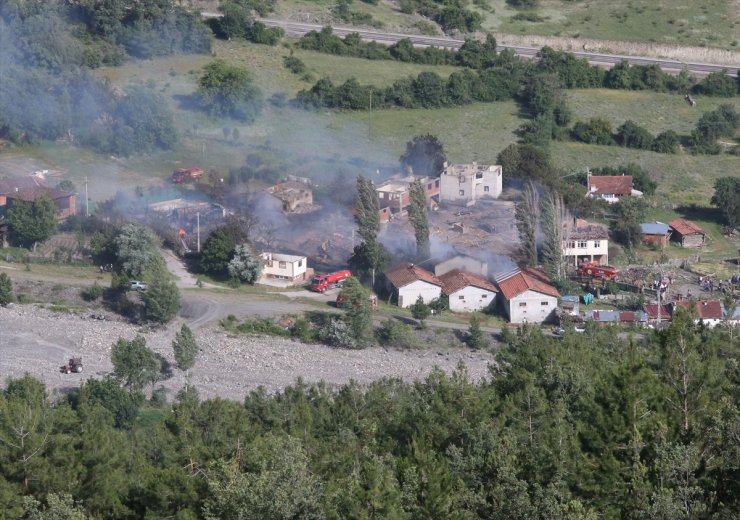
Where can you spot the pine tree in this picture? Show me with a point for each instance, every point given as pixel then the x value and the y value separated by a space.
pixel 6 289
pixel 358 314
pixel 476 339
pixel 185 348
pixel 420 310
pixel 526 214
pixel 419 219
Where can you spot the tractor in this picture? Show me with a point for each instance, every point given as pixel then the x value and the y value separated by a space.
pixel 73 365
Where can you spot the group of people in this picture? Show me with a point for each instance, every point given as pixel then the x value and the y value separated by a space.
pixel 106 268
pixel 707 283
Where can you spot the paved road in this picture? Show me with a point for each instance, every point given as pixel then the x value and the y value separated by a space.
pixel 606 60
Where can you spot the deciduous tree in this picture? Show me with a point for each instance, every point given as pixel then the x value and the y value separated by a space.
pixel 6 289
pixel 425 155
pixel 727 198
pixel 227 90
pixel 245 266
pixel 134 364
pixel 358 312
pixel 32 222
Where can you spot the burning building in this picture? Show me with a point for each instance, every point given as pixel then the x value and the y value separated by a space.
pixel 294 193
pixel 394 195
pixel 466 183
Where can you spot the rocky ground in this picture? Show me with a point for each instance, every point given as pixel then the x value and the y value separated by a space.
pixel 37 340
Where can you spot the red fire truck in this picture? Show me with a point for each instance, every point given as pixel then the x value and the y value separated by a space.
pixel 186 175
pixel 594 270
pixel 324 282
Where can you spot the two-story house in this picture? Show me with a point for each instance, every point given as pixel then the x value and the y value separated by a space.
pixel 291 269
pixel 586 242
pixel 394 195
pixel 466 183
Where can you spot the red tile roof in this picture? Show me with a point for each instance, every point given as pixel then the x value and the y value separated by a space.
pixel 456 279
pixel 29 189
pixel 705 309
pixel 615 184
pixel 522 280
pixel 407 273
pixel 685 227
pixel 652 311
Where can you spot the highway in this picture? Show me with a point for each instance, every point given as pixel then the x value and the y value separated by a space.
pixel 604 60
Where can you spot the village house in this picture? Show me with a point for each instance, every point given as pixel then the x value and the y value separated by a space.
pixel 655 233
pixel 528 296
pixel 294 193
pixel 467 292
pixel 610 188
pixel 466 183
pixel 710 312
pixel 586 242
pixel 609 317
pixel 408 282
pixel 283 270
pixel 687 233
pixel 463 263
pixel 394 195
pixel 28 189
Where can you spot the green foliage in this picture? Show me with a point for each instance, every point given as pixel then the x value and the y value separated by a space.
pixel 713 125
pixel 370 256
pixel 666 142
pixel 425 155
pixel 631 135
pixel 6 289
pixel 136 247
pixel 718 84
pixel 420 310
pixel 245 266
pixel 419 219
pixel 32 222
pixel 185 348
pixel 337 333
pixel 476 338
pixel 358 311
pixel 527 217
pixel 218 249
pixel 227 90
pixel 162 298
pixel 294 65
pixel 59 507
pixel 625 227
pixel 640 178
pixel 394 333
pixel 134 364
pixel 92 293
pixel 727 198
pixel 595 131
pixel 523 4
pixel 107 392
pixel 526 161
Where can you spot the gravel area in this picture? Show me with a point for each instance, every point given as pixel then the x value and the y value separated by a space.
pixel 38 341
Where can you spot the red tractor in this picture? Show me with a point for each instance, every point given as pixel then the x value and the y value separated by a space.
pixel 73 365
pixel 594 270
pixel 182 175
pixel 324 282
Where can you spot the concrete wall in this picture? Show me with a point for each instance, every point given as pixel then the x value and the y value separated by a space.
pixel 529 307
pixel 408 294
pixel 575 254
pixel 473 186
pixel 290 270
pixel 471 299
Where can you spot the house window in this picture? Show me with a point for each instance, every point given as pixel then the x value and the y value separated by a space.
pixel 282 265
pixel 582 244
pixel 486 189
pixel 571 245
pixel 461 297
pixel 479 175
pixel 462 193
pixel 597 243
pixel 522 304
pixel 484 296
pixel 544 304
pixel 300 263
pixel 429 186
pixel 436 184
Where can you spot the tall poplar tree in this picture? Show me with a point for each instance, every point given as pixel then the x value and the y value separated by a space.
pixel 419 219
pixel 556 229
pixel 370 256
pixel 527 215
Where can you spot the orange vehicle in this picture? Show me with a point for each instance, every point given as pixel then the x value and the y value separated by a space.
pixel 594 270
pixel 73 365
pixel 186 175
pixel 324 282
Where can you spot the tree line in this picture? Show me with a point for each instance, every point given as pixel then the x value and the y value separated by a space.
pixel 584 427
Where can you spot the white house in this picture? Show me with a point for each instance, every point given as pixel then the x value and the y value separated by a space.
pixel 463 263
pixel 467 292
pixel 410 281
pixel 586 242
pixel 527 295
pixel 610 188
pixel 290 269
pixel 467 183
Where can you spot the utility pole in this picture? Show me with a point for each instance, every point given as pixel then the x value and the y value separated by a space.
pixel 197 217
pixel 87 200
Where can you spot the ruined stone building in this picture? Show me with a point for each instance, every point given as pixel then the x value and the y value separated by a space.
pixel 466 183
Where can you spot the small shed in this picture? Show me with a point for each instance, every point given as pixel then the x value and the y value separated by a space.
pixel 687 233
pixel 655 233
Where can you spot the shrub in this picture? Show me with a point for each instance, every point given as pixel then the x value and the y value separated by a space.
pixel 476 337
pixel 264 326
pixel 393 333
pixel 337 333
pixel 294 65
pixel 666 142
pixel 595 131
pixel 6 289
pixel 92 293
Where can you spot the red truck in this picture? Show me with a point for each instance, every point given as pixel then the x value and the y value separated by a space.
pixel 594 270
pixel 324 282
pixel 186 175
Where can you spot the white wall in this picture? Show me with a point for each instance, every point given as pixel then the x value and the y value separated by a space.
pixel 532 311
pixel 473 299
pixel 408 294
pixel 472 187
pixel 291 269
pixel 589 250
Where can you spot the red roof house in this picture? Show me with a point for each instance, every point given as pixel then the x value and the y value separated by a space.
pixel 409 281
pixel 28 189
pixel 528 296
pixel 610 188
pixel 467 292
pixel 687 233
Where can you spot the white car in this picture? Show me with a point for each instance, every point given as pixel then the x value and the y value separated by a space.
pixel 136 285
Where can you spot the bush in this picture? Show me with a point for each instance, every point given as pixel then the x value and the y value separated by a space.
pixel 476 337
pixel 294 65
pixel 92 293
pixel 596 131
pixel 6 289
pixel 303 331
pixel 264 326
pixel 393 333
pixel 666 142
pixel 337 333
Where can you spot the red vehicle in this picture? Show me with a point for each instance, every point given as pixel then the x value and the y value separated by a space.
pixel 73 365
pixel 324 282
pixel 594 270
pixel 186 175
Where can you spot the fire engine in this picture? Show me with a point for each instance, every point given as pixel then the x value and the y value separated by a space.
pixel 324 282
pixel 594 270
pixel 186 175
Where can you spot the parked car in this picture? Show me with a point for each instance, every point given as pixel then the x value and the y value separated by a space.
pixel 136 285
